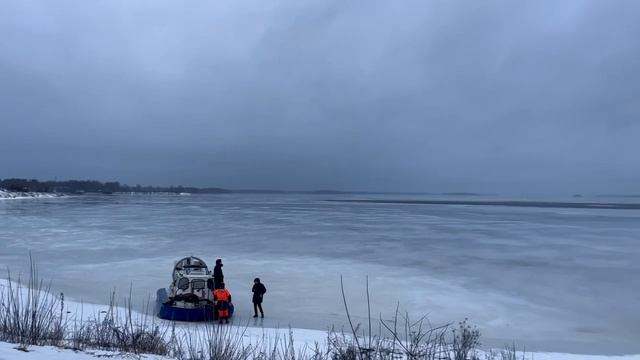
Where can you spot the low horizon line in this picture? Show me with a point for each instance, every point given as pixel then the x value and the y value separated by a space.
pixel 316 191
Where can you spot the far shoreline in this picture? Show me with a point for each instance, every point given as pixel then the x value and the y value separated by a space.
pixel 508 203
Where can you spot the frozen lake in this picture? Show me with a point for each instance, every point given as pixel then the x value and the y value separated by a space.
pixel 549 278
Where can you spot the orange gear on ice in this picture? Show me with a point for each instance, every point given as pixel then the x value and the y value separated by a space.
pixel 222 297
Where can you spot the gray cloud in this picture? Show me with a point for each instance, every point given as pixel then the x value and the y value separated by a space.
pixel 497 96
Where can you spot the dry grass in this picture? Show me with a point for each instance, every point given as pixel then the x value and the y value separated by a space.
pixel 30 314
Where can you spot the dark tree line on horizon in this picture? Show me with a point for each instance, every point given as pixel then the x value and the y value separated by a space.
pixel 109 187
pixel 94 186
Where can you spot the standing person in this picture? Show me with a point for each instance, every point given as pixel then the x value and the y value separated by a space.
pixel 218 276
pixel 258 290
pixel 222 298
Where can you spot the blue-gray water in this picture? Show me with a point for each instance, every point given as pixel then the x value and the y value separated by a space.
pixel 551 279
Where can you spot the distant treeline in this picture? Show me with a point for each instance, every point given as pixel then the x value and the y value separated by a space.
pixel 109 187
pixel 87 186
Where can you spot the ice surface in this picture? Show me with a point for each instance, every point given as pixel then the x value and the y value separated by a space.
pixel 561 280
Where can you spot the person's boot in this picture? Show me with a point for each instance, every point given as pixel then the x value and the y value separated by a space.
pixel 262 314
pixel 256 315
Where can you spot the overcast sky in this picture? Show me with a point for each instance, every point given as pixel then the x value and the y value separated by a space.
pixel 428 95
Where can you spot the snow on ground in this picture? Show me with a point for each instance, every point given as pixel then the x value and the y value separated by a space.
pixel 4 194
pixel 253 333
pixel 79 312
pixel 10 352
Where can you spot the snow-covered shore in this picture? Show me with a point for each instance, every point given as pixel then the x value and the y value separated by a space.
pixel 304 340
pixel 5 194
pixel 12 352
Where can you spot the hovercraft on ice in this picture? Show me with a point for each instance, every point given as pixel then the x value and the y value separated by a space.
pixel 190 295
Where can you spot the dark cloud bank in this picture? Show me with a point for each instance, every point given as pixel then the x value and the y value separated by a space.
pixel 486 96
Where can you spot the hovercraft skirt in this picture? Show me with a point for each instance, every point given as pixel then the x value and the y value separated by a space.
pixel 169 312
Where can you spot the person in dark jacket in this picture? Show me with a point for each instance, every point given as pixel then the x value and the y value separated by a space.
pixel 258 292
pixel 218 277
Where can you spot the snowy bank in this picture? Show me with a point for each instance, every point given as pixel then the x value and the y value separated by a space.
pixel 13 352
pixel 81 319
pixel 5 194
